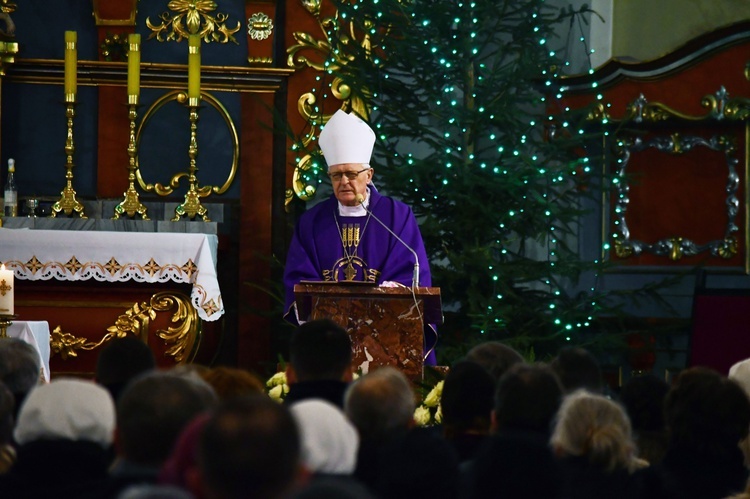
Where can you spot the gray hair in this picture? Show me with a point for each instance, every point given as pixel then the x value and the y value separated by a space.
pixel 20 365
pixel 596 428
pixel 380 402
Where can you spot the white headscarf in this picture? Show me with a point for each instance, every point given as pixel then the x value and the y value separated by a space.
pixel 70 409
pixel 329 441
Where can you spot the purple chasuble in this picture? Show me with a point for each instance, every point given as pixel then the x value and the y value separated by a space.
pixel 319 251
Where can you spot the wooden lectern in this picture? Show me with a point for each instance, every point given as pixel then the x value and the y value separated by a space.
pixel 385 324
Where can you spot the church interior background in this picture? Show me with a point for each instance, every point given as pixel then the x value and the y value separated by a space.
pixel 223 168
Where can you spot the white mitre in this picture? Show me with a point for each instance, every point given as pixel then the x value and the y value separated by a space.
pixel 345 138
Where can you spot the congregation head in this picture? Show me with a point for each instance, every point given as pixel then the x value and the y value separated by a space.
pixel 496 357
pixel 466 399
pixel 67 409
pixel 120 360
pixel 706 411
pixel 592 426
pixel 578 368
pixel 527 397
pixel 152 411
pixel 249 447
pixel 380 403
pixel 320 350
pixel 20 367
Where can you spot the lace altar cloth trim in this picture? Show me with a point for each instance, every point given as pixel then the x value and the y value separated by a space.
pixel 116 257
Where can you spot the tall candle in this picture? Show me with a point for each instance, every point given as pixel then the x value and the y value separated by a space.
pixel 194 66
pixel 71 65
pixel 6 291
pixel 134 64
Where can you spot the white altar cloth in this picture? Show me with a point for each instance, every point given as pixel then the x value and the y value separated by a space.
pixel 68 255
pixel 36 334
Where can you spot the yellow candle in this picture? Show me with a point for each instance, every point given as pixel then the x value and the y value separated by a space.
pixel 6 291
pixel 194 66
pixel 71 65
pixel 134 64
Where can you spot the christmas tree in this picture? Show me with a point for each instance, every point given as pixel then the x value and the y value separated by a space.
pixel 464 97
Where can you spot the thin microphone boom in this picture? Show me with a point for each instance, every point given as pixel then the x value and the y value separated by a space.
pixel 415 278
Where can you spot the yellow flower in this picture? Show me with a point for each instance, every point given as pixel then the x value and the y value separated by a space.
pixel 439 414
pixel 433 398
pixel 422 415
pixel 277 379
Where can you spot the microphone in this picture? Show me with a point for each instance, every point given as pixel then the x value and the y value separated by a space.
pixel 360 199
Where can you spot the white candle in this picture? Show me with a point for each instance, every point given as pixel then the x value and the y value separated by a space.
pixel 6 291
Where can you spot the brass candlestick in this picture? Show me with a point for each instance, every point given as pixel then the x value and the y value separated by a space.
pixel 5 322
pixel 68 202
pixel 131 205
pixel 192 205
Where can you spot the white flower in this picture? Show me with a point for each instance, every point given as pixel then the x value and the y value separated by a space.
pixel 277 392
pixel 433 398
pixel 277 379
pixel 422 415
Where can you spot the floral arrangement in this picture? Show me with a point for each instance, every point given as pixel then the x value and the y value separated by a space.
pixel 430 412
pixel 277 386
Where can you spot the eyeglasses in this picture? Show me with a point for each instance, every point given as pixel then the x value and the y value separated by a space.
pixel 336 177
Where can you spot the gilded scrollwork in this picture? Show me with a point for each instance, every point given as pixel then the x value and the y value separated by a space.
pixel 193 17
pixel 182 337
pixel 719 106
pixel 319 55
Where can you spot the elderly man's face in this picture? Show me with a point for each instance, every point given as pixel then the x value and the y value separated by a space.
pixel 349 180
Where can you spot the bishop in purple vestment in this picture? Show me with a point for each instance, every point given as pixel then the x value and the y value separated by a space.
pixel 342 238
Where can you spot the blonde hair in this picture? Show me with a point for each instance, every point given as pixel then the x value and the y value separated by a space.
pixel 595 427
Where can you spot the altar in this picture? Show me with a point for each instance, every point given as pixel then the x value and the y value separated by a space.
pixel 92 286
pixel 118 256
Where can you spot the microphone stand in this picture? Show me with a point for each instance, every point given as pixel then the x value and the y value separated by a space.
pixel 415 277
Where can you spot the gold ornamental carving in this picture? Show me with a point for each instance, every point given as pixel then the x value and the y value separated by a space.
pixel 174 182
pixel 182 337
pixel 259 26
pixel 193 17
pixel 319 55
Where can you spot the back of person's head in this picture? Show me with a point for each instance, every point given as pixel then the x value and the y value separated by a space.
pixel 154 491
pixel 595 427
pixel 320 350
pixel 419 463
pixel 329 441
pixel 249 447
pixel 495 357
pixel 20 367
pixel 121 360
pixel 578 368
pixel 180 467
pixel 706 413
pixel 7 414
pixel 380 403
pixel 67 409
pixel 333 488
pixel 643 398
pixel 466 399
pixel 740 373
pixel 527 398
pixel 152 411
pixel 230 382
